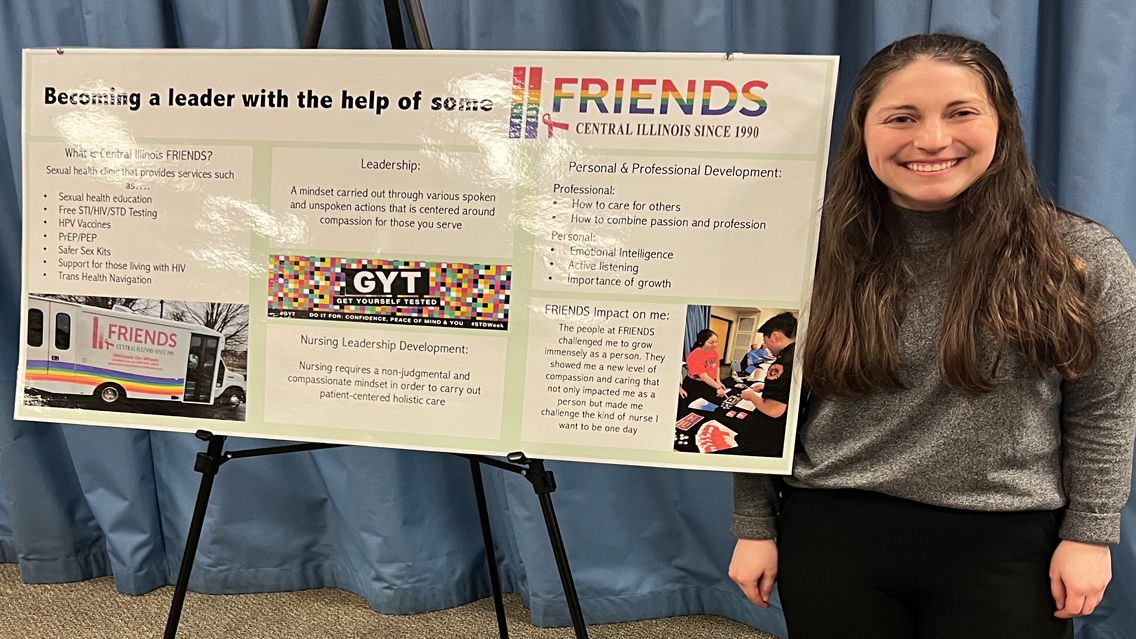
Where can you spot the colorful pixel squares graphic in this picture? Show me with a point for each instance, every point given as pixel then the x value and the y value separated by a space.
pixel 458 294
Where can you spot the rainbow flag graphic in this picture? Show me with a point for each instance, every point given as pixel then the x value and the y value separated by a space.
pixel 134 384
pixel 526 101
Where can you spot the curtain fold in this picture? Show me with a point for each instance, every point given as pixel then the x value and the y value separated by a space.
pixel 697 318
pixel 401 528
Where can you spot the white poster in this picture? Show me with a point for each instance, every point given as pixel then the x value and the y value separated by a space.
pixel 457 251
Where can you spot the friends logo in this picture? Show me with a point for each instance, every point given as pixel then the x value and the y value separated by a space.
pixel 634 96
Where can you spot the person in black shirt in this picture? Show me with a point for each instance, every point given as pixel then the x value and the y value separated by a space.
pixel 763 432
pixel 780 337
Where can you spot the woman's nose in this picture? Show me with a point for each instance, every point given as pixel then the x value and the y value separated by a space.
pixel 932 136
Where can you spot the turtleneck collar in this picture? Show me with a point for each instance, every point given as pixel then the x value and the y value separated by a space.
pixel 921 228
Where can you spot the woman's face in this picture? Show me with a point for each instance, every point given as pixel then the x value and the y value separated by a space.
pixel 930 133
pixel 711 343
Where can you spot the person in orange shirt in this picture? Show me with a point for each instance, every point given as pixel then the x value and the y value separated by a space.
pixel 702 368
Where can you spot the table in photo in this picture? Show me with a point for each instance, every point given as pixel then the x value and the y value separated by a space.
pixel 728 426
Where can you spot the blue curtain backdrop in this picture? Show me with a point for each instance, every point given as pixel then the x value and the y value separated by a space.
pixel 697 318
pixel 400 528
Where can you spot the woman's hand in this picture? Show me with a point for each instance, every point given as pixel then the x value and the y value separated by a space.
pixel 1078 575
pixel 722 391
pixel 754 569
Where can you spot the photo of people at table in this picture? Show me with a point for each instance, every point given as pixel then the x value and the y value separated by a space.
pixel 735 404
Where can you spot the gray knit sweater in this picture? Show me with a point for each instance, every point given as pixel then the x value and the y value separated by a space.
pixel 1033 443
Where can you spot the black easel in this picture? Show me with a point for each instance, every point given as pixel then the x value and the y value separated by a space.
pixel 544 483
pixel 208 463
pixel 542 480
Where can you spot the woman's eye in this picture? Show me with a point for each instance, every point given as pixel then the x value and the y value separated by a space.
pixel 900 119
pixel 965 112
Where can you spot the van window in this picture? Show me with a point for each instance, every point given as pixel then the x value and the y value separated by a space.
pixel 62 331
pixel 220 372
pixel 194 357
pixel 35 327
pixel 209 356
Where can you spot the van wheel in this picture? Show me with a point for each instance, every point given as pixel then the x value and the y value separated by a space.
pixel 231 398
pixel 110 394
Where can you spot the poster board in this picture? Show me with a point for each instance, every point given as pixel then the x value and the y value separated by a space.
pixel 476 252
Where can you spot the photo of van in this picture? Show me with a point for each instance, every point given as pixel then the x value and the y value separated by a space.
pixel 112 357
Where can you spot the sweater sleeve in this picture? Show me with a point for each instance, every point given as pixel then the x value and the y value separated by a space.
pixel 755 507
pixel 1098 412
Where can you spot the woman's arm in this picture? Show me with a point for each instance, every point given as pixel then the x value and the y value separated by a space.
pixel 754 564
pixel 1098 420
pixel 715 384
pixel 1098 410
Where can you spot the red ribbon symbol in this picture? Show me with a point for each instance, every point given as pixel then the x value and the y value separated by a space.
pixel 547 119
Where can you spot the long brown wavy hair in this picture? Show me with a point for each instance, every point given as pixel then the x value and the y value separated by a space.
pixel 1011 274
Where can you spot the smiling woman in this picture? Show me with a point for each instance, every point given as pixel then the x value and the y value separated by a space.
pixel 930 133
pixel 964 466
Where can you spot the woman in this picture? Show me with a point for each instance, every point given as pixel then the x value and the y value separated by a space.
pixel 962 473
pixel 702 362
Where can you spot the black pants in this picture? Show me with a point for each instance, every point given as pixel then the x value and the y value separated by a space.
pixel 861 564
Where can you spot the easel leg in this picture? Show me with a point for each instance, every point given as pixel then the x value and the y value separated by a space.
pixel 315 24
pixel 207 464
pixel 544 484
pixel 490 555
pixel 394 24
